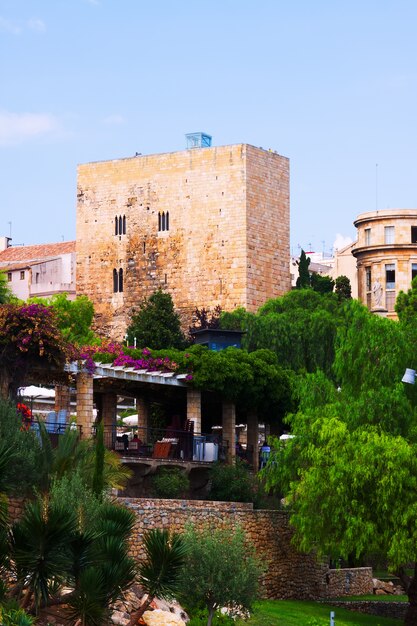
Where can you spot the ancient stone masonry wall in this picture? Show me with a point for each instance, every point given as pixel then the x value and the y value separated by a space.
pixel 228 236
pixel 289 574
pixel 395 610
pixel 15 508
pixel 349 582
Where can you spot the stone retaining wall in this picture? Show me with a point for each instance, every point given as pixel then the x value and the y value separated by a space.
pixel 289 573
pixel 395 610
pixel 349 582
pixel 15 507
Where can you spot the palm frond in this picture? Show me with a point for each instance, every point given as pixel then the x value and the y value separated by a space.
pixel 165 557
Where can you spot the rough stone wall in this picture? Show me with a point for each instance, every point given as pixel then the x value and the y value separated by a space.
pixel 268 231
pixel 15 507
pixel 394 610
pixel 289 574
pixel 349 582
pixel 228 237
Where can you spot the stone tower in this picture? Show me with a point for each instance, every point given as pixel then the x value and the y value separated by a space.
pixel 208 225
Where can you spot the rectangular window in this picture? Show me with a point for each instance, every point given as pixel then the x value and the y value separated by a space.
pixel 367 236
pixel 368 278
pixel 414 234
pixel 390 276
pixel 389 234
pixel 369 300
pixel 390 300
pixel 413 270
pixel 22 275
pixel 9 277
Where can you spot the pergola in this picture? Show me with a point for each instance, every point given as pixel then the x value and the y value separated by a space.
pixel 107 382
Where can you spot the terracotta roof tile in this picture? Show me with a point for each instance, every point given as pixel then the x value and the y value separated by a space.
pixel 35 253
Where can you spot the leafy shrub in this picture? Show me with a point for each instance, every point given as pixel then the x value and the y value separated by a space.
pixel 170 483
pixel 234 483
pixel 219 619
pixel 12 615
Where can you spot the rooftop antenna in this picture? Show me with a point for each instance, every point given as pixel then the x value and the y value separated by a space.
pixel 10 229
pixel 324 245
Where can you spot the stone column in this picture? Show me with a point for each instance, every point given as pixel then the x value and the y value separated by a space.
pixel 194 409
pixel 143 419
pixel 62 398
pixel 229 429
pixel 253 438
pixel 109 418
pixel 85 416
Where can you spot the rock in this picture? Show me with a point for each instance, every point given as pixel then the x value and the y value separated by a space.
pixel 386 587
pixel 162 618
pixel 172 607
pixel 119 618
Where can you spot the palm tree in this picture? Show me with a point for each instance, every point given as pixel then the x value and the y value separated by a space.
pixel 159 573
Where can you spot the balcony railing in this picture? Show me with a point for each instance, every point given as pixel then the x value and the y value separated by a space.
pixel 157 443
pixel 54 429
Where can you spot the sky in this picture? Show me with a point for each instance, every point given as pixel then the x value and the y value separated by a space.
pixel 331 84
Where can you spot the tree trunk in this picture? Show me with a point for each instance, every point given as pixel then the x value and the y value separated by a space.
pixel 411 614
pixel 210 616
pixel 136 615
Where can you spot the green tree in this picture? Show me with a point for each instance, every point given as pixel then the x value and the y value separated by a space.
pixel 343 288
pixel 6 294
pixel 156 325
pixel 303 280
pixel 349 475
pixel 300 327
pixel 74 318
pixel 253 380
pixel 221 570
pixel 322 284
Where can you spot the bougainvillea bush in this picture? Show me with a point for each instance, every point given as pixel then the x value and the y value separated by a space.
pixel 139 358
pixel 29 337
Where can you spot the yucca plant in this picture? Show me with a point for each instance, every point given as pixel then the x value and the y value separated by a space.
pixel 159 573
pixel 40 549
pixel 105 569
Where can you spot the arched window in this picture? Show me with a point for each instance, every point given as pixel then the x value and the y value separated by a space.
pixel 124 224
pixel 116 225
pixel 120 225
pixel 120 280
pixel 159 221
pixel 163 221
pixel 167 221
pixel 115 281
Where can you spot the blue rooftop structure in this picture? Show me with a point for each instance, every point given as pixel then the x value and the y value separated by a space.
pixel 217 339
pixel 198 140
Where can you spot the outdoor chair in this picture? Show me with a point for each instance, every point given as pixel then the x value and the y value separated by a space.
pixel 51 422
pixel 61 420
pixel 161 450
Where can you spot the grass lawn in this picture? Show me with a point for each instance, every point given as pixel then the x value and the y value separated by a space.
pixel 298 613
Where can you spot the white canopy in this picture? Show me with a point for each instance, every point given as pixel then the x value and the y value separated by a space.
pixel 131 420
pixel 36 392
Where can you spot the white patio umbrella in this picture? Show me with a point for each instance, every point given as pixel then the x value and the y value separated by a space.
pixel 131 420
pixel 36 392
pixel 32 393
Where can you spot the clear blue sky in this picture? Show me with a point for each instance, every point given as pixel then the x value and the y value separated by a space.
pixel 331 84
